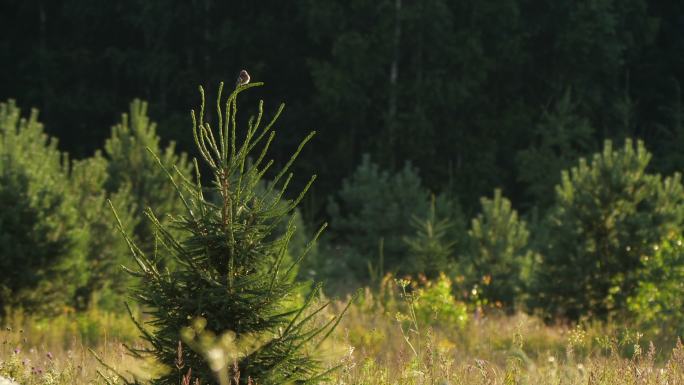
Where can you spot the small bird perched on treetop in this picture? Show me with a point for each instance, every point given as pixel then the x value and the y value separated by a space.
pixel 243 78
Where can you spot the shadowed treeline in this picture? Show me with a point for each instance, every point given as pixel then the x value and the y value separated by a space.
pixel 476 94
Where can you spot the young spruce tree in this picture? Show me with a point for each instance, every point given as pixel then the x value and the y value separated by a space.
pixel 230 274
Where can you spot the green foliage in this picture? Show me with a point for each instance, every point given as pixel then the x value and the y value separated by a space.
pixel 384 221
pixel 306 269
pixel 374 205
pixel 659 296
pixel 436 303
pixel 299 240
pixel 561 137
pixel 231 278
pixel 42 242
pixel 430 248
pixel 499 251
pixel 56 227
pixel 455 86
pixel 131 166
pixel 106 250
pixel 608 214
pixel 392 70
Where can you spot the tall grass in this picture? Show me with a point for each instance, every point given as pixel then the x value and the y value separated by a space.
pixel 384 339
pixel 57 350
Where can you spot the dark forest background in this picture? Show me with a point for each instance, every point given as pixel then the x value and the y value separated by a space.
pixel 475 94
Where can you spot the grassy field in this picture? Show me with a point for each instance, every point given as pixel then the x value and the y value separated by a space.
pixel 383 339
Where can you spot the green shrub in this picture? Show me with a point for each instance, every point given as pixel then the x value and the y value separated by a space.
pixel 106 250
pixel 498 251
pixel 608 214
pixel 131 166
pixel 42 241
pixel 431 249
pixel 658 300
pixel 374 205
pixel 383 215
pixel 56 229
pixel 436 303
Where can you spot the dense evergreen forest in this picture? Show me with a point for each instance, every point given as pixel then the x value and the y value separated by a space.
pixel 476 95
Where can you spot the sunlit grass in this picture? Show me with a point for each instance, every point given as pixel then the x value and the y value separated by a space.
pixel 378 342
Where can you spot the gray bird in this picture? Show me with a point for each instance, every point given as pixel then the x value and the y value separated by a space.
pixel 243 78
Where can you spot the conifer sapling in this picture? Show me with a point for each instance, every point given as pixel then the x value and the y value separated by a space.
pixel 231 276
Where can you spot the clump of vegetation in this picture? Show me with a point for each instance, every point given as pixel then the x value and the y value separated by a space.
pixel 106 282
pixel 42 240
pixel 131 166
pixel 371 347
pixel 658 300
pixel 608 215
pixel 231 279
pixel 435 304
pixel 385 221
pixel 430 249
pixel 559 139
pixel 375 205
pixel 499 251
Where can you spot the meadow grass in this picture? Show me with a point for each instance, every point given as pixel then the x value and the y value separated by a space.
pixel 380 341
pixel 387 343
pixel 59 350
